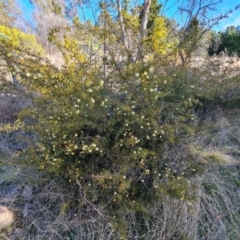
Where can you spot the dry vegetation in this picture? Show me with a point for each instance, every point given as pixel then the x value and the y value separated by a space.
pixel 44 211
pixel 228 65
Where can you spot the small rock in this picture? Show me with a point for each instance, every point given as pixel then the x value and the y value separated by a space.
pixel 6 217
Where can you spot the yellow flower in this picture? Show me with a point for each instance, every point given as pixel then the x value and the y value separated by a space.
pixel 101 83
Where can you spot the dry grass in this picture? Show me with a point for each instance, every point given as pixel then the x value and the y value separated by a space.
pixel 45 210
pixel 10 105
pixel 220 137
pixel 220 207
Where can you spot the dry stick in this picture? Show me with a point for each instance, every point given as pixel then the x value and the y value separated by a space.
pixel 97 210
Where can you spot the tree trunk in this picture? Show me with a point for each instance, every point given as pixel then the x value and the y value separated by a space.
pixel 120 18
pixel 144 21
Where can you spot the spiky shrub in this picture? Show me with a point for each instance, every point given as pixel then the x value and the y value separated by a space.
pixel 113 138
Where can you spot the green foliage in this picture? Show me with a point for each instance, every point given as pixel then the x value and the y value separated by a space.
pixel 108 140
pixel 113 144
pixel 191 37
pixel 159 40
pixel 57 9
pixel 225 41
pixel 131 21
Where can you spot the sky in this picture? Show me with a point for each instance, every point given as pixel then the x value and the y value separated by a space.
pixel 170 10
pixel 234 18
pixel 223 7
